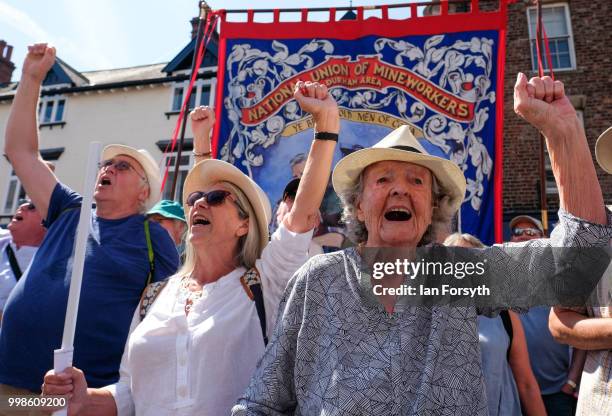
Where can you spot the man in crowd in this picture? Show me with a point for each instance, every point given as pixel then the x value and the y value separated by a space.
pixel 18 246
pixel 171 216
pixel 590 328
pixel 554 365
pixel 117 266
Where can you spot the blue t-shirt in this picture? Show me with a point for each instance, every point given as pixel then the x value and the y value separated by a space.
pixel 550 360
pixel 115 273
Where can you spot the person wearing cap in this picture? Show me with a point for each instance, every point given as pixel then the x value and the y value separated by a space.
pixel 198 344
pixel 525 228
pixel 18 246
pixel 171 216
pixel 117 265
pixel 340 348
pixel 590 328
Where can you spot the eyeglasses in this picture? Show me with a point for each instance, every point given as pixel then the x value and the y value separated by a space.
pixel 517 232
pixel 120 165
pixel 213 198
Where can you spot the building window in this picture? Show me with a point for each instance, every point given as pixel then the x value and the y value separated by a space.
pixel 14 194
pixel 201 94
pixel 556 20
pixel 51 110
pixel 185 165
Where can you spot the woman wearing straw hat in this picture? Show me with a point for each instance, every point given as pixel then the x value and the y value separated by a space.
pixel 338 348
pixel 194 352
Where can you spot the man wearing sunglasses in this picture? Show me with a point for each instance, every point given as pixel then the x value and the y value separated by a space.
pixel 117 260
pixel 555 367
pixel 525 228
pixel 17 247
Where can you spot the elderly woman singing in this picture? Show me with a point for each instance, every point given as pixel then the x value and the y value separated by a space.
pixel 196 348
pixel 337 352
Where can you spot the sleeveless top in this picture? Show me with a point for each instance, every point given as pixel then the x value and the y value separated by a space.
pixel 502 394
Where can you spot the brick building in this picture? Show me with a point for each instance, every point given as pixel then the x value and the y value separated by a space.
pixel 580 38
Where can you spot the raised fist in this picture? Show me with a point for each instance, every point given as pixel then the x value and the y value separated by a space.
pixel 314 98
pixel 38 61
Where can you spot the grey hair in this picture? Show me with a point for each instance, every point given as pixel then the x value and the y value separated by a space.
pixel 247 251
pixel 442 216
pixel 455 238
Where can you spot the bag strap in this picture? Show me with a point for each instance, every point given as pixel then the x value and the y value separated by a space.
pixel 151 253
pixel 149 295
pixel 13 262
pixel 507 321
pixel 251 283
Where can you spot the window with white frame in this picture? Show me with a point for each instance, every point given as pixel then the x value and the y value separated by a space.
pixel 184 166
pixel 51 109
pixel 556 21
pixel 14 193
pixel 202 94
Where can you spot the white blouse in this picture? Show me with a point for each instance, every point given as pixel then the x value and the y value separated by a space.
pixel 201 363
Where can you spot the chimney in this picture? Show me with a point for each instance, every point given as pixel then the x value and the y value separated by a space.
pixel 195 20
pixel 6 66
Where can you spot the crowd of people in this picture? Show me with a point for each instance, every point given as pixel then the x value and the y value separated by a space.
pixel 197 308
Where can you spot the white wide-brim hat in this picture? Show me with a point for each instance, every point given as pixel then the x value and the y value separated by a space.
pixel 211 171
pixel 148 164
pixel 603 150
pixel 401 146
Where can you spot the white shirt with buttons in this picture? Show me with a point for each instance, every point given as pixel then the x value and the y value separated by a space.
pixel 200 364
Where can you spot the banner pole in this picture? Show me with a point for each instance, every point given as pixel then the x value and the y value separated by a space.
pixel 199 38
pixel 62 358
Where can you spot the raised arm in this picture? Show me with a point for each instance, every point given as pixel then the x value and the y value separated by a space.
pixel 315 99
pixel 542 102
pixel 202 121
pixel 21 144
pixel 573 328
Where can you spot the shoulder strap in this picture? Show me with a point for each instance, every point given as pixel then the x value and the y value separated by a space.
pixel 148 297
pixel 251 283
pixel 151 253
pixel 505 317
pixel 13 262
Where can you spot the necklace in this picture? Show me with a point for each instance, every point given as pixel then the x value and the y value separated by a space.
pixel 190 294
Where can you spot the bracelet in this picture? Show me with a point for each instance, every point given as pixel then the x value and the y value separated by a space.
pixel 201 154
pixel 572 383
pixel 321 135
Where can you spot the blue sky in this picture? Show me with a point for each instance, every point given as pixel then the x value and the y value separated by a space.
pixel 105 34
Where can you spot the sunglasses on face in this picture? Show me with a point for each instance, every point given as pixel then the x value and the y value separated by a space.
pixel 213 198
pixel 517 232
pixel 120 165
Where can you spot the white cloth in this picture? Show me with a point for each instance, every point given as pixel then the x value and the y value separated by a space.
pixel 201 363
pixel 23 255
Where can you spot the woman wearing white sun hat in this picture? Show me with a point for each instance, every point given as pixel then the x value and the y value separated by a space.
pixel 339 348
pixel 197 346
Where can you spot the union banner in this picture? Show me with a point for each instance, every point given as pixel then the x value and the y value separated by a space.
pixel 441 75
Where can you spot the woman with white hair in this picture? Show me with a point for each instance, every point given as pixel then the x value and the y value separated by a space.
pixel 339 348
pixel 197 346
